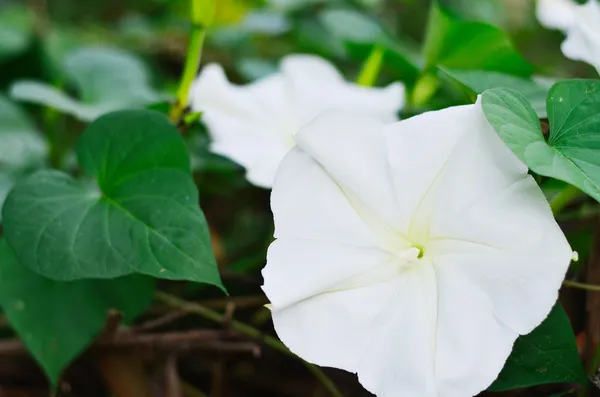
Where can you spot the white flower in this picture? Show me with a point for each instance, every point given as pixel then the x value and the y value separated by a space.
pixel 254 125
pixel 412 253
pixel 581 24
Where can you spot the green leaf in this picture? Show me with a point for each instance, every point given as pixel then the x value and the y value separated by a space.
pixel 361 34
pixel 465 45
pixel 139 214
pixel 21 147
pixel 16 30
pixel 106 80
pixel 480 80
pixel 547 355
pixel 572 153
pixel 58 320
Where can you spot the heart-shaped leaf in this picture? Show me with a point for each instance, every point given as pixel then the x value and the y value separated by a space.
pixel 106 79
pixel 572 153
pixel 58 320
pixel 547 355
pixel 139 214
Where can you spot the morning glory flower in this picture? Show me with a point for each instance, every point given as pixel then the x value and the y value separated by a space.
pixel 254 124
pixel 581 24
pixel 411 253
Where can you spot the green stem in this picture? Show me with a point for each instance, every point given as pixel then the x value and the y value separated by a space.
pixel 563 198
pixel 584 286
pixel 247 330
pixel 192 62
pixel 369 71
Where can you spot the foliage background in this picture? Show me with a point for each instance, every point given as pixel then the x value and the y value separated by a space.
pixel 248 38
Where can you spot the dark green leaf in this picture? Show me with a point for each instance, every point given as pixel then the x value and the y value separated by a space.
pixel 467 45
pixel 58 320
pixel 547 355
pixel 140 214
pixel 572 153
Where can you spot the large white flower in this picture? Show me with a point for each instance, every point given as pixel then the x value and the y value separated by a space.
pixel 254 125
pixel 411 253
pixel 581 24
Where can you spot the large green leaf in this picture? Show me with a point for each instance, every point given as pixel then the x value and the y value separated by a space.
pixel 58 320
pixel 465 45
pixel 21 147
pixel 547 355
pixel 480 80
pixel 361 34
pixel 106 80
pixel 16 29
pixel 139 214
pixel 572 153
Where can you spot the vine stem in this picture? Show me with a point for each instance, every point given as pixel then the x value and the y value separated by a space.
pixel 563 198
pixel 192 61
pixel 584 286
pixel 175 302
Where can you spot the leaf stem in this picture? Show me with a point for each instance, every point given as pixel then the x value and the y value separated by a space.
pixel 192 62
pixel 563 198
pixel 370 69
pixel 584 286
pixel 252 332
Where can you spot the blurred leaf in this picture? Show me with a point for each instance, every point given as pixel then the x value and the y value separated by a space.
pixel 361 34
pixel 572 153
pixel 547 355
pixel 21 147
pixel 479 81
pixel 16 29
pixel 58 320
pixel 292 5
pixel 106 80
pixel 256 68
pixel 260 21
pixel 20 144
pixel 141 213
pixel 466 45
pixel 493 12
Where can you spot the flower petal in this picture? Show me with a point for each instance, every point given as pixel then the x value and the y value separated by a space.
pixel 331 329
pixel 580 24
pixel 583 38
pixel 399 358
pixel 359 167
pixel 310 74
pixel 556 14
pixel 238 119
pixel 299 269
pixel 308 204
pixel 419 148
pixel 472 344
pixel 485 207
